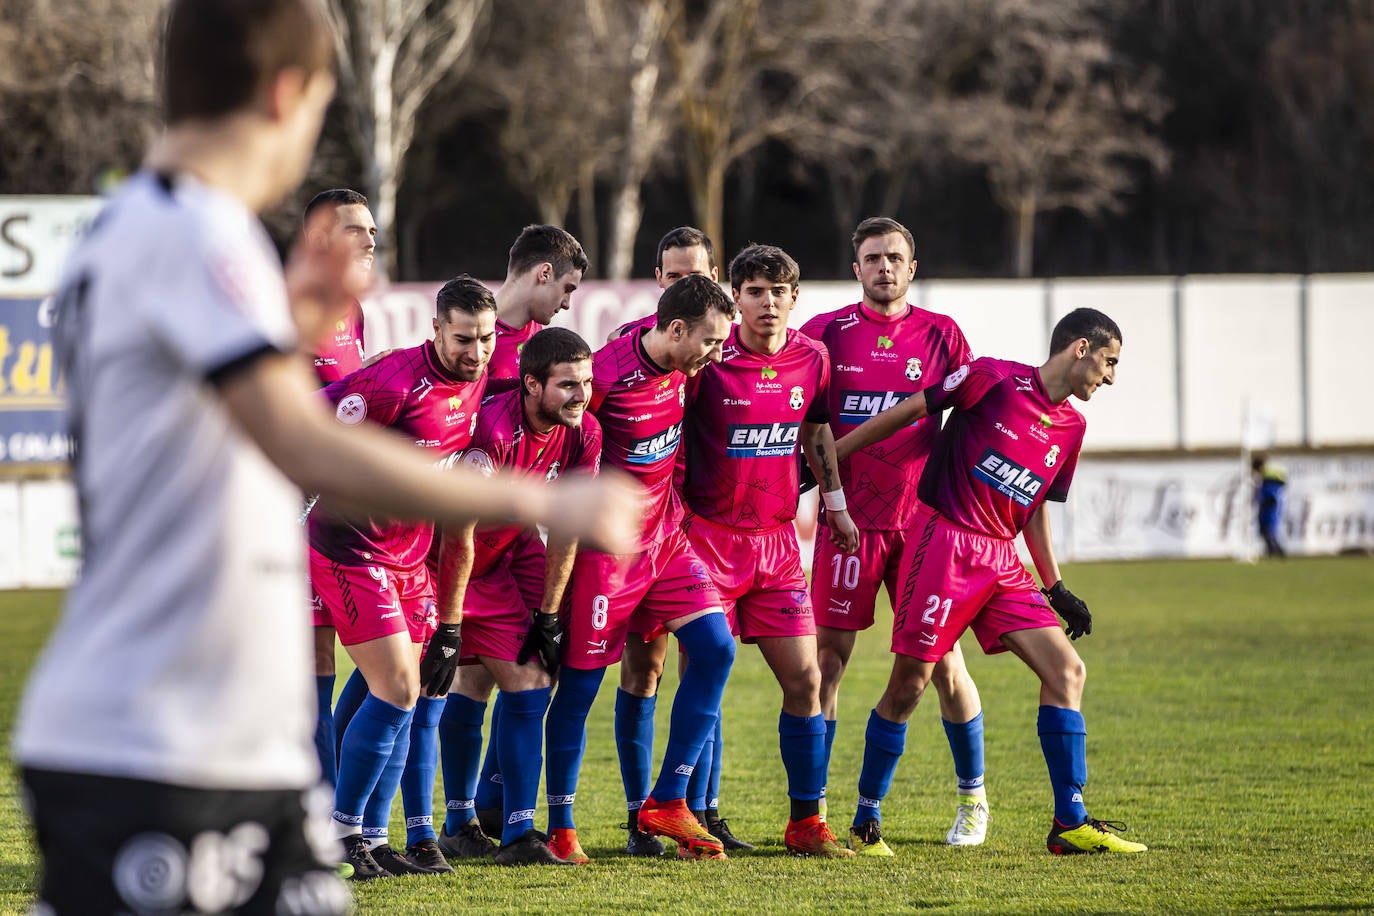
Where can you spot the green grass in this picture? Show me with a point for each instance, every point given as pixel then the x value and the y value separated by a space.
pixel 1230 713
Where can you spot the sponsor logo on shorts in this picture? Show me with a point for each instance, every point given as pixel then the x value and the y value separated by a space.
pixel 1007 477
pixel 761 440
pixel 840 607
pixel 650 449
pixel 928 639
pixel 858 406
pixel 596 647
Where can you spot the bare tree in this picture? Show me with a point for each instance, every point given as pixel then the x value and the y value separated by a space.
pixel 78 91
pixel 1054 119
pixel 392 55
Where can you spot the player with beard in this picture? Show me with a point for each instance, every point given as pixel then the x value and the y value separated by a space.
pixel 883 350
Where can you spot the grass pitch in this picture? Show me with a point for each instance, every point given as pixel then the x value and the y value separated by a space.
pixel 1230 713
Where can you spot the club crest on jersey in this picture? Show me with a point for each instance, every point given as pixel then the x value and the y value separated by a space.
pixel 956 378
pixel 913 369
pixel 796 397
pixel 352 410
pixel 1052 457
pixel 650 449
pixel 479 460
pixel 682 395
pixel 858 406
pixel 761 440
pixel 552 475
pixel 1008 478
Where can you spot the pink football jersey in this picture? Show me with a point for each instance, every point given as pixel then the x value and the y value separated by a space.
pixel 409 391
pixel 877 362
pixel 505 359
pixel 640 406
pixel 743 430
pixel 504 441
pixel 1005 450
pixel 342 352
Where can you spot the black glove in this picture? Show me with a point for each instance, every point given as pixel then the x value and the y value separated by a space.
pixel 440 662
pixel 545 639
pixel 1071 608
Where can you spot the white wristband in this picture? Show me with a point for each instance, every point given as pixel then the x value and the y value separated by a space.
pixel 834 501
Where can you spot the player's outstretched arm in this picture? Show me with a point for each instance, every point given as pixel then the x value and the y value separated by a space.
pixel 273 401
pixel 456 555
pixel 818 445
pixel 1065 603
pixel 876 429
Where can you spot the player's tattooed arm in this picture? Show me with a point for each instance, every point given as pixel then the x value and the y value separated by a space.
pixel 818 444
pixel 878 428
pixel 455 568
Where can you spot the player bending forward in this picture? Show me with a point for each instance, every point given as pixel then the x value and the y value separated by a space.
pixel 1011 442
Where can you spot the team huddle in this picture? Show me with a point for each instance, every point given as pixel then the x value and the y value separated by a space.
pixel 719 421
pixel 503 506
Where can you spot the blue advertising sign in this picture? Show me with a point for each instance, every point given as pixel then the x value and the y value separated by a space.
pixel 32 425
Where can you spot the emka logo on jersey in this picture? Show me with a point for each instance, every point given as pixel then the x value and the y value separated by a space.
pixel 1007 477
pixel 857 406
pixel 761 440
pixel 653 448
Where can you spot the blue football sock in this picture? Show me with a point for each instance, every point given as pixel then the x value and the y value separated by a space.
pixel 700 783
pixel 802 742
pixel 460 750
pixel 521 756
pixel 884 743
pixel 377 811
pixel 346 707
pixel 367 746
pixel 565 739
pixel 417 779
pixel 696 708
pixel 324 727
pixel 717 756
pixel 966 744
pixel 489 787
pixel 830 726
pixel 1064 741
pixel 634 744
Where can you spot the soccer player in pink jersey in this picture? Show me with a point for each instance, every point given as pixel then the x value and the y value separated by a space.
pixel 339 219
pixel 543 271
pixel 336 220
pixel 882 351
pixel 371 576
pixel 1012 442
pixel 638 394
pixel 537 432
pixel 748 415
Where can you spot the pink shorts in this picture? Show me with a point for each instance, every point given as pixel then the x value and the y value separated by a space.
pixel 844 586
pixel 497 606
pixel 612 595
pixel 953 579
pixel 758 575
pixel 370 602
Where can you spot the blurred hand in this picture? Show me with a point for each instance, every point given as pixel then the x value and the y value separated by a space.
pixel 606 512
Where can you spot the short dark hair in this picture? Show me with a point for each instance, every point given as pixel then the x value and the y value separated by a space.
pixel 539 244
pixel 1089 323
pixel 691 299
pixel 685 237
pixel 217 54
pixel 876 226
pixel 463 294
pixel 549 347
pixel 334 197
pixel 767 261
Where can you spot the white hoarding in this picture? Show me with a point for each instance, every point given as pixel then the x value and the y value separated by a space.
pixel 35 235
